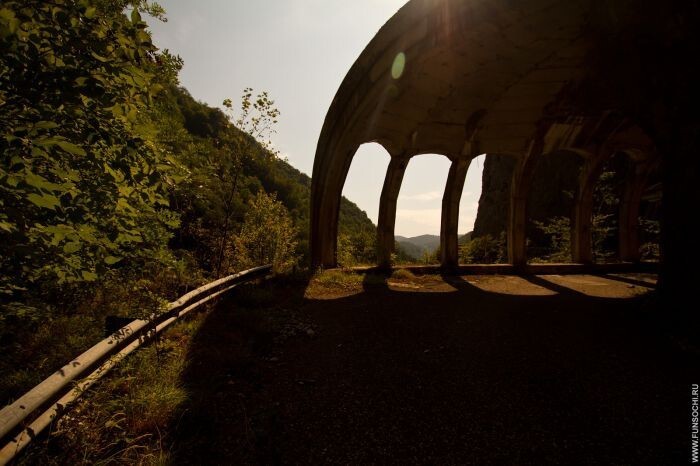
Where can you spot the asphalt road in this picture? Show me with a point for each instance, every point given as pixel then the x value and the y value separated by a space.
pixel 461 370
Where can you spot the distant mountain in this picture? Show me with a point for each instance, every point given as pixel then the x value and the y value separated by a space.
pixel 415 246
pixel 427 242
pixel 409 249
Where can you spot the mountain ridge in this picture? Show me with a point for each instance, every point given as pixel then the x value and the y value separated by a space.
pixel 417 246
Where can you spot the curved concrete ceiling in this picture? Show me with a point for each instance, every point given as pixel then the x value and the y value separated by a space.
pixel 478 77
pixel 467 77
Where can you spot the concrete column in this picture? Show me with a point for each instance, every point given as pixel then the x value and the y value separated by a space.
pixel 519 192
pixel 516 223
pixel 629 213
pixel 581 228
pixel 387 210
pixel 326 190
pixel 449 240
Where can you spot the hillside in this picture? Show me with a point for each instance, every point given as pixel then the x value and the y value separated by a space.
pixel 465 238
pixel 260 170
pixel 119 189
pixel 409 249
pixel 427 242
pixel 416 246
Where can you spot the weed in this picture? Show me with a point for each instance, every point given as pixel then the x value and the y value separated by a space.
pixel 125 416
pixel 338 279
pixel 403 274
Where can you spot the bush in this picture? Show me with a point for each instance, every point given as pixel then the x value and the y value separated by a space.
pixel 558 231
pixel 484 250
pixel 403 274
pixel 267 236
pixel 650 231
pixel 357 248
pixel 79 190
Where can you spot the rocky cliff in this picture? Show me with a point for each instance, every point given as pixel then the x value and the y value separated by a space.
pixel 553 190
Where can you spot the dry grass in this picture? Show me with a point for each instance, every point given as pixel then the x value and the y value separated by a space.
pixel 403 274
pixel 336 278
pixel 131 415
pixel 124 419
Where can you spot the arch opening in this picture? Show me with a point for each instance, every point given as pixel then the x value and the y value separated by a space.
pixel 650 219
pixel 356 243
pixel 550 207
pixel 419 210
pixel 487 243
pixel 469 207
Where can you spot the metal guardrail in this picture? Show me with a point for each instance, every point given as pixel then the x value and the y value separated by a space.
pixel 58 390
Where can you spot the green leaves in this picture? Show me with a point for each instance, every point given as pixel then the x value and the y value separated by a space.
pixel 45 125
pixel 135 16
pixel 61 142
pixel 45 201
pixel 8 22
pixel 267 235
pixel 7 226
pixel 72 247
pixel 41 183
pixel 71 148
pixel 99 57
pixel 80 191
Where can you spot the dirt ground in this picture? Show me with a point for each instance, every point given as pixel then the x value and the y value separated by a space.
pixel 439 370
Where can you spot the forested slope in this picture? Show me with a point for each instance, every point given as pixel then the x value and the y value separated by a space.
pixel 118 190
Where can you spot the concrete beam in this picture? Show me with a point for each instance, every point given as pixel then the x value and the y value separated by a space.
pixel 519 192
pixel 449 240
pixel 581 233
pixel 629 213
pixel 387 209
pixel 326 192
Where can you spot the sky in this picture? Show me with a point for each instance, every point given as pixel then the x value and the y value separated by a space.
pixel 299 52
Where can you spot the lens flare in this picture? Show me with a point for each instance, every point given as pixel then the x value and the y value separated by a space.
pixel 398 66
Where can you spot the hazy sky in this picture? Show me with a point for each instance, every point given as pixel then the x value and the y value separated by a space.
pixel 299 51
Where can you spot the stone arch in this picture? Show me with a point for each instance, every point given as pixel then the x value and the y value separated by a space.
pixel 552 196
pixel 496 198
pixel 629 210
pixel 368 165
pixel 450 98
pixel 505 77
pixel 449 219
pixel 389 199
pixel 387 209
pixel 630 140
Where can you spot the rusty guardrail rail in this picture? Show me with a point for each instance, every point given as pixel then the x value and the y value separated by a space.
pixel 57 391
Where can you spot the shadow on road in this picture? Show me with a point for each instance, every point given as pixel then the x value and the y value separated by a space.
pixel 408 376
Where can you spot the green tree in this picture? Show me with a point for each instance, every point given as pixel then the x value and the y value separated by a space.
pixel 257 120
pixel 558 231
pixel 258 117
pixel 267 235
pixel 80 191
pixel 484 250
pixel 606 200
pixel 357 248
pixel 650 231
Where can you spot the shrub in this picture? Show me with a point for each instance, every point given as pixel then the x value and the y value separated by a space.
pixel 338 279
pixel 484 250
pixel 403 274
pixel 267 236
pixel 558 232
